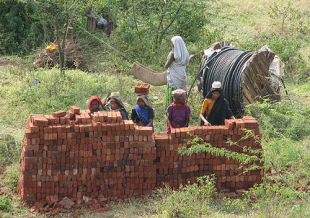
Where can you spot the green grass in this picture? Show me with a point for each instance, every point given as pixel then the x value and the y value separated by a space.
pixel 285 125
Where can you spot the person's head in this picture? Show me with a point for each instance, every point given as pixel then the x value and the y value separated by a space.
pixel 143 101
pixel 114 104
pixel 216 90
pixel 179 103
pixel 180 51
pixel 94 104
pixel 106 16
pixel 216 94
pixel 176 40
pixel 179 94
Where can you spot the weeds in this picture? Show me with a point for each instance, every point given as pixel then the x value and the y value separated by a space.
pixel 9 150
pixel 5 204
pixel 189 201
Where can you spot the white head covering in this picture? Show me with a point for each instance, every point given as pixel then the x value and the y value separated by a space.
pixel 181 54
pixel 176 74
pixel 216 84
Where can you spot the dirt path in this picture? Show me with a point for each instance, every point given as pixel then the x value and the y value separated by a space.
pixel 8 62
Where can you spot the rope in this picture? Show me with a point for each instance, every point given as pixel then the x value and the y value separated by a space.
pixel 110 46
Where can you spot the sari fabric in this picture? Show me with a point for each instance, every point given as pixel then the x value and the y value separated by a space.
pixel 176 74
pixel 143 114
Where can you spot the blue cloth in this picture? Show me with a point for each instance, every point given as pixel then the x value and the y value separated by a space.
pixel 143 114
pixel 124 116
pixel 102 21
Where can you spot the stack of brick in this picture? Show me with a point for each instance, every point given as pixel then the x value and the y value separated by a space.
pixel 80 154
pixel 174 169
pixel 92 155
pixel 142 88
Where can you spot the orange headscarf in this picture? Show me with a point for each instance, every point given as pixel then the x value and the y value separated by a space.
pixel 95 97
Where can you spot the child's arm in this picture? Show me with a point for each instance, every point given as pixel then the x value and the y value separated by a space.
pixel 169 121
pixel 205 121
pixel 150 122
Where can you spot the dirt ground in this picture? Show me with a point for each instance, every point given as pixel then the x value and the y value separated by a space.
pixel 8 62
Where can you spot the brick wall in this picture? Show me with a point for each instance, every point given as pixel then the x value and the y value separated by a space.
pixel 74 155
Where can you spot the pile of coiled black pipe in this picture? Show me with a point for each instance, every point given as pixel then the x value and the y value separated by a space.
pixel 226 66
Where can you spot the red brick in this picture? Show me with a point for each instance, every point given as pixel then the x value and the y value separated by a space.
pixel 59 113
pixel 75 109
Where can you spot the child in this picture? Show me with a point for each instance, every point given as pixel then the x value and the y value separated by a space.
pixel 94 104
pixel 143 114
pixel 178 112
pixel 115 103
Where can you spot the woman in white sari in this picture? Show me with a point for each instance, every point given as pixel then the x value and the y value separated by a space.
pixel 177 61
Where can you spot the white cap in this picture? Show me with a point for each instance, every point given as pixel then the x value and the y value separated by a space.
pixel 216 84
pixel 115 94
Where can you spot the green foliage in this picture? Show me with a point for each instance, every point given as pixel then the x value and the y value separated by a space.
pixel 11 173
pixel 273 199
pixel 22 28
pixel 9 149
pixel 196 145
pixel 267 200
pixel 58 92
pixel 283 118
pixel 189 201
pixel 5 204
pixel 142 35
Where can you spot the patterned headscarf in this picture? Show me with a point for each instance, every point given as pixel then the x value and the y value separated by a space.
pixel 144 99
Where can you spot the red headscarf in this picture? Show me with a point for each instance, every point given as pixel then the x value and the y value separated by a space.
pixel 95 97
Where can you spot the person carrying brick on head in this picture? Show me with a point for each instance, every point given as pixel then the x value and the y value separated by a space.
pixel 177 61
pixel 94 104
pixel 178 112
pixel 115 104
pixel 215 108
pixel 142 114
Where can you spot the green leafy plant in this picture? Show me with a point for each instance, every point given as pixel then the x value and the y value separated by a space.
pixel 197 145
pixel 189 201
pixel 9 149
pixel 5 204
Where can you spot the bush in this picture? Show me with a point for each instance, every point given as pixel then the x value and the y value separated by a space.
pixel 284 118
pixel 12 176
pixel 189 201
pixel 9 149
pixel 5 204
pixel 22 27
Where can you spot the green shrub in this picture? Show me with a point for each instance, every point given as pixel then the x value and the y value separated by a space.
pixel 189 201
pixel 12 175
pixel 9 149
pixel 23 28
pixel 5 204
pixel 283 118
